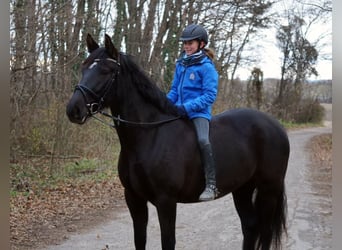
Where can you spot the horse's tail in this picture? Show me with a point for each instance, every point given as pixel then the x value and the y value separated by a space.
pixel 271 207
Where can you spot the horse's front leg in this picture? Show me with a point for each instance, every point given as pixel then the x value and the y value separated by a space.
pixel 139 213
pixel 167 210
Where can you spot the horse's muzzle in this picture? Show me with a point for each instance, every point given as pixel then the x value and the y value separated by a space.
pixel 76 113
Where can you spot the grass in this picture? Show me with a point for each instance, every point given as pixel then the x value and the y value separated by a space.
pixel 292 125
pixel 35 175
pixel 89 169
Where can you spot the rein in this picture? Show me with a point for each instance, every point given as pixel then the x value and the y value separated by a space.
pixel 117 120
pixel 96 107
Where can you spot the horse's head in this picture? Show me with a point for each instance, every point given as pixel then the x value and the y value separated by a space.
pixel 99 72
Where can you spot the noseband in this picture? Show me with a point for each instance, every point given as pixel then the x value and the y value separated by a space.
pixel 97 105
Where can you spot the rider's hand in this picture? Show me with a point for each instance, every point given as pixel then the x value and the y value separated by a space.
pixel 181 111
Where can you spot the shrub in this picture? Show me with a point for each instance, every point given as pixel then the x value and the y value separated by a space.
pixel 310 111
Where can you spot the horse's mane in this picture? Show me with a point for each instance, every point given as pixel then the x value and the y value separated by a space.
pixel 145 86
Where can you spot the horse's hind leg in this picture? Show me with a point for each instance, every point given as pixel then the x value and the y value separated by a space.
pixel 243 200
pixel 139 213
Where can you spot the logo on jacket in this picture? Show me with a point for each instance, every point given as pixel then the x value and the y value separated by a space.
pixel 192 76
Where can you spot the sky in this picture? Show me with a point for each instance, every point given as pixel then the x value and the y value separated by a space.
pixel 270 56
pixel 270 61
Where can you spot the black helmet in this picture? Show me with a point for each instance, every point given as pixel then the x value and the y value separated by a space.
pixel 194 31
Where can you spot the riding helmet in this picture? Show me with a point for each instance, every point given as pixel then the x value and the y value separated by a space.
pixel 194 31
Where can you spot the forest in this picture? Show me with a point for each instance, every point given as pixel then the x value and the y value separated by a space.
pixel 47 47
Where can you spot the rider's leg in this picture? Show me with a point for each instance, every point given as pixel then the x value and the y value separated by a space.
pixel 202 130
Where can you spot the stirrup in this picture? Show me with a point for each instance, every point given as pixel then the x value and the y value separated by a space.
pixel 210 193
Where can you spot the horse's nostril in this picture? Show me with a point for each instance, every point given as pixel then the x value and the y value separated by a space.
pixel 75 113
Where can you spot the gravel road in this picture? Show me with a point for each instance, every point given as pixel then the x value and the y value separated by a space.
pixel 215 225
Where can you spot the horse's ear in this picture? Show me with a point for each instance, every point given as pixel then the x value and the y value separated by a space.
pixel 110 47
pixel 91 44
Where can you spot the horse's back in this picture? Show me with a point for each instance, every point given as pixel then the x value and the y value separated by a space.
pixel 248 144
pixel 249 123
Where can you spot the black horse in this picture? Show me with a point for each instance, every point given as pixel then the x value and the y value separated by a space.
pixel 160 160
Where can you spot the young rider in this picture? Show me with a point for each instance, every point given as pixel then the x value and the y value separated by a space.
pixel 193 91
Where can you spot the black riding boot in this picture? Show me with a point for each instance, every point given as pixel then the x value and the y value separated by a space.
pixel 210 191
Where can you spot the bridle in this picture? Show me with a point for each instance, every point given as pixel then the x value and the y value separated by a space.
pixel 97 106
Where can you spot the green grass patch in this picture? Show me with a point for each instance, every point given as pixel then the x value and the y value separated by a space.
pixel 89 169
pixel 37 176
pixel 292 125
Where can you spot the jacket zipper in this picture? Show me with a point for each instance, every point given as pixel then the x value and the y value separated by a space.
pixel 181 86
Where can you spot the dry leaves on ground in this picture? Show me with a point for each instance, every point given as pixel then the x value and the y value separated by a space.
pixel 47 217
pixel 321 168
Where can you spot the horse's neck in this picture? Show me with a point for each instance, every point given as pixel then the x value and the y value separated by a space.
pixel 133 130
pixel 140 116
pixel 137 110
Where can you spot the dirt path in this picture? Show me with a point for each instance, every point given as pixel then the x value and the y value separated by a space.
pixel 309 210
pixel 215 225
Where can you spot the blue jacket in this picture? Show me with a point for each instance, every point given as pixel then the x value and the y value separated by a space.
pixel 195 87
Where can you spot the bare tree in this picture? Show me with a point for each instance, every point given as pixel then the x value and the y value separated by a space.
pixel 299 54
pixel 45 42
pixel 254 88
